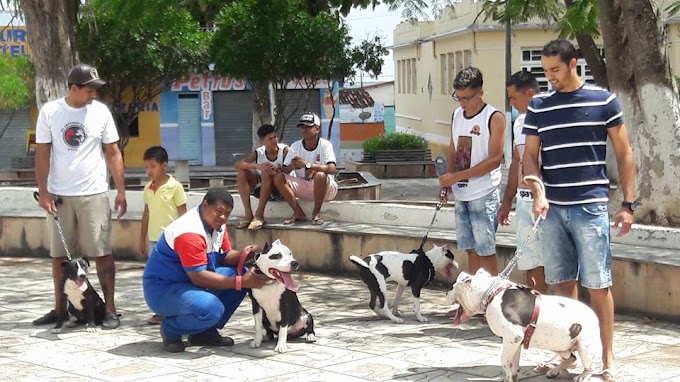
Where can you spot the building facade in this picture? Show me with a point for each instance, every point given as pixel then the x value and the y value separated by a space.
pixel 428 55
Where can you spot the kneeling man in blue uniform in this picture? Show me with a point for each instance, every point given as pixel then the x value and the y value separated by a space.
pixel 191 277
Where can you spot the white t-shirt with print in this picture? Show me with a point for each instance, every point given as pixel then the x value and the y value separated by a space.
pixel 77 163
pixel 322 154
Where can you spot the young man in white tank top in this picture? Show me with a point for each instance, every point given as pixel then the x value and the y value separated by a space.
pixel 255 173
pixel 473 159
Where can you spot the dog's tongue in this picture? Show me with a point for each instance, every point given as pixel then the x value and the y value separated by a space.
pixel 289 282
pixel 82 285
pixel 460 316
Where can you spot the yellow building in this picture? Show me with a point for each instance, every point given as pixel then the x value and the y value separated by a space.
pixel 428 55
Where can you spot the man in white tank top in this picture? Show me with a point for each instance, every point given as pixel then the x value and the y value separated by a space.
pixel 255 173
pixel 473 159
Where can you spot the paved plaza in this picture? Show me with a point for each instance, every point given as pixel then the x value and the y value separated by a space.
pixel 353 344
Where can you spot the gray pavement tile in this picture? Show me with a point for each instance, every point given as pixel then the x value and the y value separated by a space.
pixel 17 371
pixel 375 368
pixel 353 344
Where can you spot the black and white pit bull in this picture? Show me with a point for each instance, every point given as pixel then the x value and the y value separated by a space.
pixel 80 298
pixel 415 269
pixel 523 317
pixel 276 307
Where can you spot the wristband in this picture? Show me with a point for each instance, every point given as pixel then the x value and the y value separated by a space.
pixel 239 280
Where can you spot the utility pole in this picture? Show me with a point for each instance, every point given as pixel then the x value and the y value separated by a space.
pixel 508 108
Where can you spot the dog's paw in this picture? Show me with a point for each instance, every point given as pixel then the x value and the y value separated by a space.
pixel 255 344
pixel 396 312
pixel 421 319
pixel 583 377
pixel 56 330
pixel 553 373
pixel 311 337
pixel 281 348
pixel 397 320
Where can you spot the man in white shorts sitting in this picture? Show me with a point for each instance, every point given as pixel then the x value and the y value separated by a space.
pixel 313 160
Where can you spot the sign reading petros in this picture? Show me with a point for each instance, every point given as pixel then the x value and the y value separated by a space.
pixel 13 41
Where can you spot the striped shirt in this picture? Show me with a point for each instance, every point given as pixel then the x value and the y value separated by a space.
pixel 573 131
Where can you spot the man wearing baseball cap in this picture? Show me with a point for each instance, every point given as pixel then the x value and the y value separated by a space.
pixel 76 139
pixel 313 160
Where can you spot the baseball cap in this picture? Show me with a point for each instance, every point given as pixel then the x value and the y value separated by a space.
pixel 83 74
pixel 309 119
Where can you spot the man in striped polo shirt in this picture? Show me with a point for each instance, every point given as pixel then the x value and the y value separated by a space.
pixel 570 126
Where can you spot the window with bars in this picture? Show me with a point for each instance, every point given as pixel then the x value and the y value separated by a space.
pixel 531 62
pixel 449 65
pixel 407 76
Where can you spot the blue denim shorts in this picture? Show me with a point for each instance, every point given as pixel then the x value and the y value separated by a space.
pixel 476 223
pixel 532 253
pixel 575 243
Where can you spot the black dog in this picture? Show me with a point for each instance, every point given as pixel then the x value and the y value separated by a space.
pixel 80 298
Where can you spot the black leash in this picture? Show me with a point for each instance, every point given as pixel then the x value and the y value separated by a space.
pixel 58 201
pixel 441 169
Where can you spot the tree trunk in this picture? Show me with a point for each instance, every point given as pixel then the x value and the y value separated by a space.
pixel 634 35
pixel 52 26
pixel 262 112
pixel 592 55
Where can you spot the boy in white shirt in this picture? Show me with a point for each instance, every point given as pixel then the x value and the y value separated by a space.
pixel 313 160
pixel 255 173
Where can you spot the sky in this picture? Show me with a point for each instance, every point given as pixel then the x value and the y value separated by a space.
pixel 365 23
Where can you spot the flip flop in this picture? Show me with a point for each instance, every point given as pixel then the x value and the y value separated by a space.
pixel 611 375
pixel 243 224
pixel 317 220
pixel 255 224
pixel 291 220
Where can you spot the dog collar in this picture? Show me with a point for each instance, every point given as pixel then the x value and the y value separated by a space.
pixel 492 292
pixel 529 331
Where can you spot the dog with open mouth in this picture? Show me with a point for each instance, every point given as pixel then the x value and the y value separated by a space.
pixel 80 299
pixel 276 308
pixel 416 269
pixel 525 318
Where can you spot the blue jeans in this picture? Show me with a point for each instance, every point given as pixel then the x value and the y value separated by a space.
pixel 187 309
pixel 476 223
pixel 575 242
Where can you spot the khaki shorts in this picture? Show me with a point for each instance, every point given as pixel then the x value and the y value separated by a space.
pixel 86 223
pixel 304 189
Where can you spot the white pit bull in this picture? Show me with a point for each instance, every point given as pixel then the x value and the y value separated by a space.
pixel 560 324
pixel 276 307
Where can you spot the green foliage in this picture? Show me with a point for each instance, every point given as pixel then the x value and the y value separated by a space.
pixel 16 79
pixel 134 55
pixel 277 41
pixel 394 141
pixel 673 8
pixel 580 17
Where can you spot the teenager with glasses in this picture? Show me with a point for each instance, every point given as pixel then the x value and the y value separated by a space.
pixel 474 159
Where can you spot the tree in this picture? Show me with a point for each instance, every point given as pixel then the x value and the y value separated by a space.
pixel 292 45
pixel 418 9
pixel 161 45
pixel 634 37
pixel 52 30
pixel 576 19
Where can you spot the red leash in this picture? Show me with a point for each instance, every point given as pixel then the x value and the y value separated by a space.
pixel 240 267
